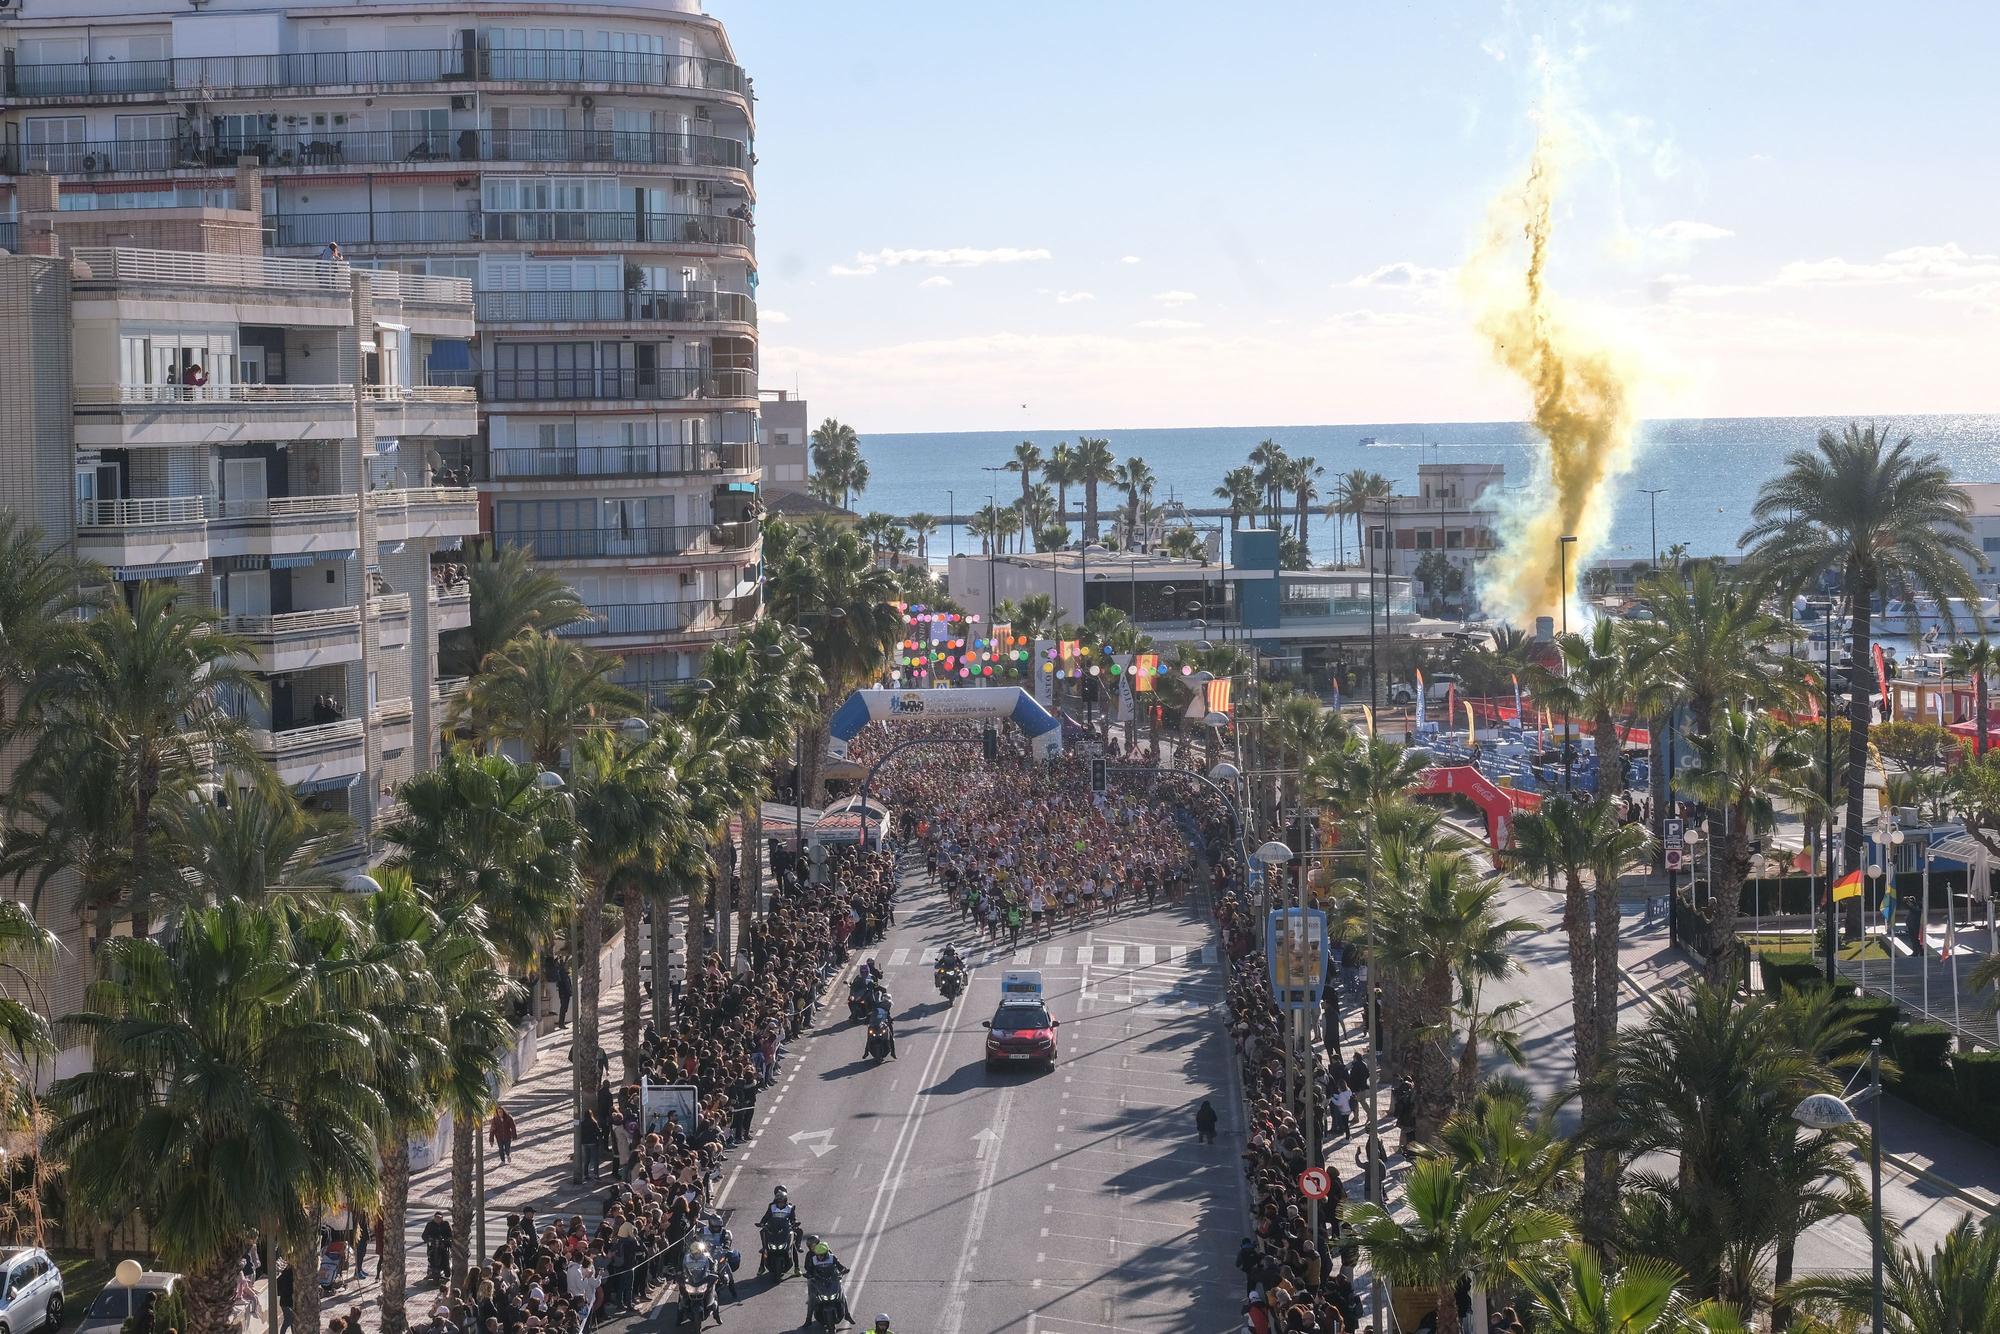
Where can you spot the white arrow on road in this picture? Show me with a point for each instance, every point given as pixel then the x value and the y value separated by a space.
pixel 985 1139
pixel 822 1144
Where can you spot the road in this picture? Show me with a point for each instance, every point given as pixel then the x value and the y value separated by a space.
pixel 1076 1201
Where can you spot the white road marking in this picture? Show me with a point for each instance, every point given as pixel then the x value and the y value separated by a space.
pixel 1053 956
pixel 899 957
pixel 929 956
pixel 1145 956
pixel 982 1198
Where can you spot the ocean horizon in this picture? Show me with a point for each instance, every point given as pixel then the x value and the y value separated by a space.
pixel 1710 467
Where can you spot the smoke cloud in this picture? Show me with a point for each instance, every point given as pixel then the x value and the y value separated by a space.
pixel 1580 391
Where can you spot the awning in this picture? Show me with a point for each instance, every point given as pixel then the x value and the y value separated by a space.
pixel 318 785
pixel 779 818
pixel 451 354
pixel 126 574
pixel 390 324
pixel 304 559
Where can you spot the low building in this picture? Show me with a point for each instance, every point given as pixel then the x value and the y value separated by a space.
pixel 787 440
pixel 1456 511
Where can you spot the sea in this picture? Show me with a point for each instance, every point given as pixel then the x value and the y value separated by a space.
pixel 1708 470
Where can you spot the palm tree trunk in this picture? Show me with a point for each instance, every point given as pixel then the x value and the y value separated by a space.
pixel 1089 509
pixel 589 948
pixel 662 949
pixel 211 1292
pixel 752 869
pixel 464 1132
pixel 697 937
pixel 1447 1312
pixel 1860 711
pixel 1979 693
pixel 628 1009
pixel 1656 765
pixel 1600 1184
pixel 1434 1071
pixel 390 1261
pixel 1725 897
pixel 305 1279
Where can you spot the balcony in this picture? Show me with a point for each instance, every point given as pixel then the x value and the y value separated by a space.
pixel 287 74
pixel 696 231
pixel 447 410
pixel 664 622
pixel 126 416
pixel 420 289
pixel 613 307
pixel 294 641
pixel 390 614
pixel 670 385
pixel 393 723
pixel 339 149
pixel 533 463
pixel 121 266
pixel 424 512
pixel 162 530
pixel 314 754
pixel 282 526
pixel 452 606
pixel 449 688
pixel 633 545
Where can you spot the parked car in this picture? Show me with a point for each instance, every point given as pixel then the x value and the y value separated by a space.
pixel 33 1296
pixel 107 1315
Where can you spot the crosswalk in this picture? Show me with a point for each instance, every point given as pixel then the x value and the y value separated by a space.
pixel 1098 955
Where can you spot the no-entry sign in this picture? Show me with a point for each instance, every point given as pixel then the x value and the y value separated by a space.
pixel 1315 1184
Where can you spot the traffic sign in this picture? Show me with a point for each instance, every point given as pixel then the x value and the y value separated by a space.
pixel 1674 859
pixel 1671 835
pixel 1315 1184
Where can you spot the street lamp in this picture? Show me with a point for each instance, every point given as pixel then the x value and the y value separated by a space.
pixel 1562 590
pixel 1824 1111
pixel 992 555
pixel 1653 494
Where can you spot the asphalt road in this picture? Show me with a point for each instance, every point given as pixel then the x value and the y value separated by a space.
pixel 1072 1201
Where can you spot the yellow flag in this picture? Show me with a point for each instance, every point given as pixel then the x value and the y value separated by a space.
pixel 1369 714
pixel 1469 738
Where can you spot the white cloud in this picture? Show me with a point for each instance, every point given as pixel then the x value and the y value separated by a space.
pixel 1174 298
pixel 1947 262
pixel 1494 49
pixel 956 257
pixel 1402 273
pixel 1071 298
pixel 1685 230
pixel 1129 259
pixel 773 317
pixel 936 280
pixel 844 271
pixel 1167 324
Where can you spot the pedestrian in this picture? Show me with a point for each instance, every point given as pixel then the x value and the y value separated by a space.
pixel 558 972
pixel 592 1136
pixel 285 1284
pixel 503 1130
pixel 360 1243
pixel 1204 1122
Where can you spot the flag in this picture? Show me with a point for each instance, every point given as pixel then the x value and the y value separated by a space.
pixel 1847 887
pixel 1067 648
pixel 1882 679
pixel 1937 698
pixel 1218 695
pixel 1369 714
pixel 1517 700
pixel 1469 738
pixel 1450 703
pixel 1421 718
pixel 1144 668
pixel 1889 904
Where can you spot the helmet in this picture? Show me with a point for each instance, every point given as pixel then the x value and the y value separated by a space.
pixel 780 1195
pixel 819 1248
pixel 700 1248
pixel 881 1322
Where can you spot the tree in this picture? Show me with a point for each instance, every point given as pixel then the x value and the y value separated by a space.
pixel 1440 574
pixel 1456 1231
pixel 511 595
pixel 1273 474
pixel 1184 543
pixel 1060 472
pixel 1740 766
pixel 260 838
pixel 228 1091
pixel 1916 746
pixel 1354 493
pixel 837 461
pixel 1136 480
pixel 40 588
pixel 1303 477
pixel 1239 491
pixel 543 692
pixel 1976 659
pixel 1095 466
pixel 1599 685
pixel 1955 1289
pixel 150 685
pixel 1886 519
pixel 922 526
pixel 1642 1298
pixel 1027 461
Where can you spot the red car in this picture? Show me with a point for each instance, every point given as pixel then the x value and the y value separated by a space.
pixel 1021 1032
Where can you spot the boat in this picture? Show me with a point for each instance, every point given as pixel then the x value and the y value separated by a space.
pixel 1967 617
pixel 1367 439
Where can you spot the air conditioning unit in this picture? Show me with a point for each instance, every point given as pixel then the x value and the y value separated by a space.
pixel 461 102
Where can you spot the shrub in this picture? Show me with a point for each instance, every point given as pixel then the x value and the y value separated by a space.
pixel 1921 1049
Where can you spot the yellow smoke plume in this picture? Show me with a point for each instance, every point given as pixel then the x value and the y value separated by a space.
pixel 1580 389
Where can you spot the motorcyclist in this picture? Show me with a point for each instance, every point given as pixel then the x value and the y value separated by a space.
pixel 723 1247
pixel 823 1273
pixel 699 1271
pixel 782 1213
pixel 881 1326
pixel 437 1244
pixel 885 1025
pixel 948 962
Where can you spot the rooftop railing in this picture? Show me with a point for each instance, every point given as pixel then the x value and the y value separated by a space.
pixel 180 268
pixel 343 148
pixel 446 226
pixel 671 383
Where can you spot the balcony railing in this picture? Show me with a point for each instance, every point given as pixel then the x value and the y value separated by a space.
pixel 393 710
pixel 343 148
pixel 271 509
pixel 94 395
pixel 177 268
pixel 655 618
pixel 676 307
pixel 420 288
pixel 620 461
pixel 301 740
pixel 540 385
pixel 389 604
pixel 420 393
pixel 239 76
pixel 444 227
pixel 450 687
pixel 613 543
pixel 143 512
pixel 324 621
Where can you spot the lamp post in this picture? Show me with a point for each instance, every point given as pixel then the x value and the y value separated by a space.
pixel 1653 494
pixel 1824 1111
pixel 1832 908
pixel 993 556
pixel 951 519
pixel 1562 589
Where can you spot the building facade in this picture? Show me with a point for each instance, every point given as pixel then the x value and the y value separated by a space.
pixel 587 169
pixel 787 441
pixel 1456 511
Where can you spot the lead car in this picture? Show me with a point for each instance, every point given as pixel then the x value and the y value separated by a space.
pixel 1021 1032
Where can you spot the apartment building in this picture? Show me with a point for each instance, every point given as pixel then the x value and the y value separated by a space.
pixel 1456 511
pixel 587 169
pixel 787 441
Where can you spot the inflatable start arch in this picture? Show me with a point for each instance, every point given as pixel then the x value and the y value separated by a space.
pixel 1043 731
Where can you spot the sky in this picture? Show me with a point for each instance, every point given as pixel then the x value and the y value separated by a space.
pixel 1122 214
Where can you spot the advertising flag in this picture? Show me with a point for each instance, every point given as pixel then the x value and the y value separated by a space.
pixel 1882 679
pixel 1421 717
pixel 1369 714
pixel 1469 737
pixel 1519 717
pixel 1145 667
pixel 1847 887
pixel 1218 695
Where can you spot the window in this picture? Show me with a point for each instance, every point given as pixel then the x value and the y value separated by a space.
pixel 531 194
pixel 1989 544
pixel 1424 539
pixel 238 133
pixel 55 143
pixel 1454 539
pixel 420 134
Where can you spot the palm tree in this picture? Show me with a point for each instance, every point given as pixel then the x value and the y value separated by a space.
pixel 510 596
pixel 1034 618
pixel 1060 471
pixel 39 589
pixel 1709 641
pixel 984 524
pixel 837 461
pixel 1184 543
pixel 228 1089
pixel 149 683
pixel 1026 460
pixel 1240 493
pixel 1354 493
pixel 1273 472
pixel 1303 478
pixel 1136 480
pixel 1976 659
pixel 260 838
pixel 1569 839
pixel 543 692
pixel 1889 521
pixel 921 526
pixel 1454 1230
pixel 1497 1144
pixel 1038 509
pixel 1598 685
pixel 1095 466
pixel 1642 1298
pixel 1740 766
pixel 1955 1289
